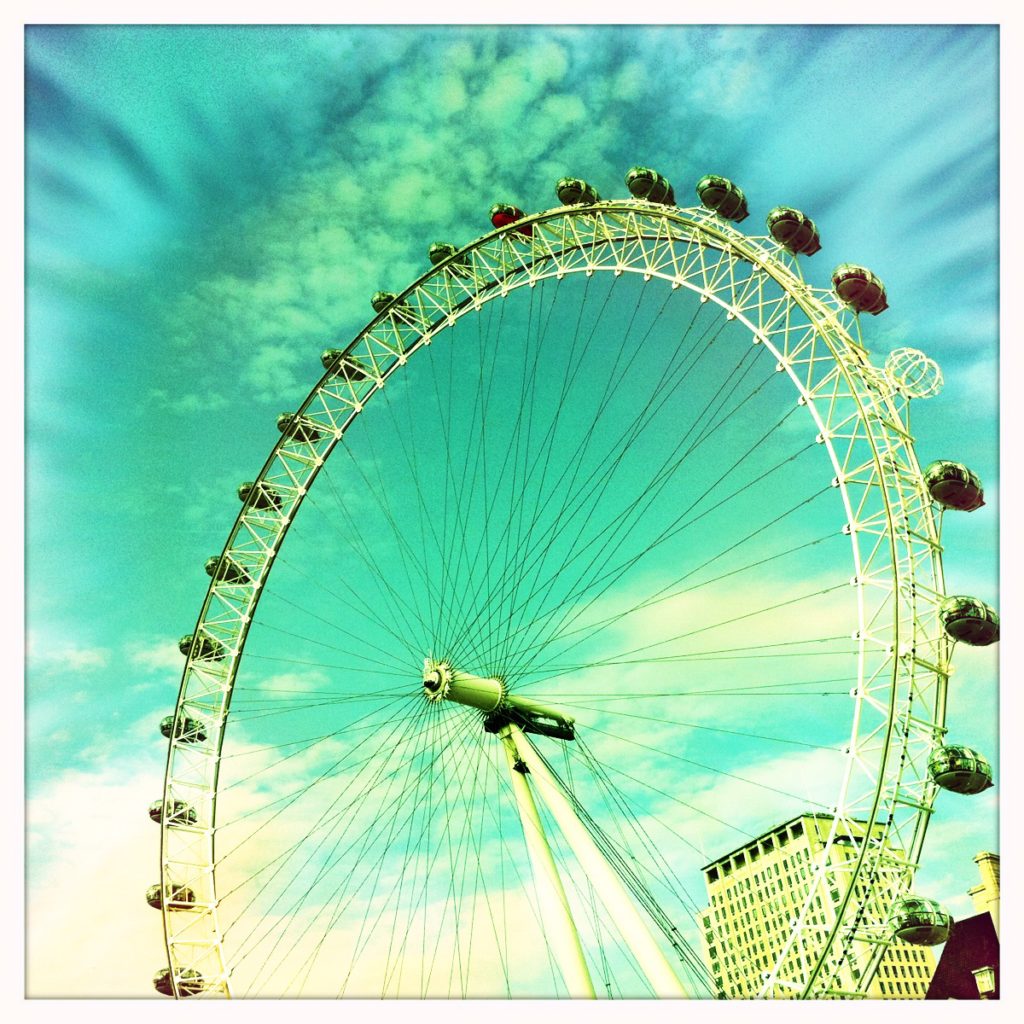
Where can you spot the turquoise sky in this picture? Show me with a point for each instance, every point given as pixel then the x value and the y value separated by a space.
pixel 209 208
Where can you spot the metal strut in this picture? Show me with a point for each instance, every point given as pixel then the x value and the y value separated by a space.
pixel 511 717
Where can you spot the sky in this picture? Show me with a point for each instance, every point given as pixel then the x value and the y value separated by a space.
pixel 209 208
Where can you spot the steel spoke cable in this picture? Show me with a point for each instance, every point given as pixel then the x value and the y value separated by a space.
pixel 395 930
pixel 309 741
pixel 381 495
pixel 322 824
pixel 393 665
pixel 711 653
pixel 667 875
pixel 471 740
pixel 451 899
pixel 609 462
pixel 403 547
pixel 615 658
pixel 707 728
pixel 530 382
pixel 679 800
pixel 411 853
pixel 255 714
pixel 616 573
pixel 704 767
pixel 433 738
pixel 556 419
pixel 479 624
pixel 489 507
pixel 341 695
pixel 590 630
pixel 506 578
pixel 487 561
pixel 585 498
pixel 419 489
pixel 336 898
pixel 397 713
pixel 389 811
pixel 362 609
pixel 525 414
pixel 327 664
pixel 643 502
pixel 513 446
pixel 524 545
pixel 459 527
pixel 465 514
pixel 632 695
pixel 289 800
pixel 500 770
pixel 332 861
pixel 350 532
pixel 660 595
pixel 457 737
pixel 628 873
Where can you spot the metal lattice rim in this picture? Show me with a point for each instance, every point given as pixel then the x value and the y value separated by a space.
pixel 636 237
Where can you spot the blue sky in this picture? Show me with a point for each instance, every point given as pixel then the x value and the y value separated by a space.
pixel 209 208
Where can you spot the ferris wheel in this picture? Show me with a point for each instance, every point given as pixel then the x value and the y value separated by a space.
pixel 607 548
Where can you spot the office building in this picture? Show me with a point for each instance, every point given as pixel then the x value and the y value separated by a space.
pixel 755 891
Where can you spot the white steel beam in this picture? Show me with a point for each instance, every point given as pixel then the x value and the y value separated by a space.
pixel 609 888
pixel 557 918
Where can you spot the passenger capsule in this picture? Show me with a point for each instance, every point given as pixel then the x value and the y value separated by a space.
pixel 646 183
pixel 348 367
pixel 576 192
pixel 190 982
pixel 919 921
pixel 859 288
pixel 298 428
pixel 441 251
pixel 330 356
pixel 793 230
pixel 969 620
pixel 207 648
pixel 178 812
pixel 953 485
pixel 179 897
pixel 502 215
pixel 224 569
pixel 190 730
pixel 381 300
pixel 722 196
pixel 960 770
pixel 259 495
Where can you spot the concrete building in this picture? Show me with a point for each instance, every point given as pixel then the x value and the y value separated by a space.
pixel 969 966
pixel 757 889
pixel 985 895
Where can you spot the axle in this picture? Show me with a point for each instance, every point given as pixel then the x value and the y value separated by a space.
pixel 491 696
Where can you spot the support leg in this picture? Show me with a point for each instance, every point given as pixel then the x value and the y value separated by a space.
pixel 607 885
pixel 555 914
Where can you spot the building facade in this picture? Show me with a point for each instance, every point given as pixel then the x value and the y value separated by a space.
pixel 757 890
pixel 969 966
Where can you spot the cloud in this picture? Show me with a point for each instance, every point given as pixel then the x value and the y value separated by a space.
pixel 92 853
pixel 188 402
pixel 160 655
pixel 52 655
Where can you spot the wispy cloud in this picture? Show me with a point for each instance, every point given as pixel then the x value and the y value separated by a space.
pixel 54 654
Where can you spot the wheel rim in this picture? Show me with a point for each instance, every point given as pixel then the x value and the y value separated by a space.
pixel 901 657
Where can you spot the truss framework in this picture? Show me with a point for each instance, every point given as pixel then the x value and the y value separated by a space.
pixel 898 704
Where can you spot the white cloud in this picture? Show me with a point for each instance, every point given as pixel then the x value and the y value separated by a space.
pixel 44 651
pixel 160 655
pixel 92 853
